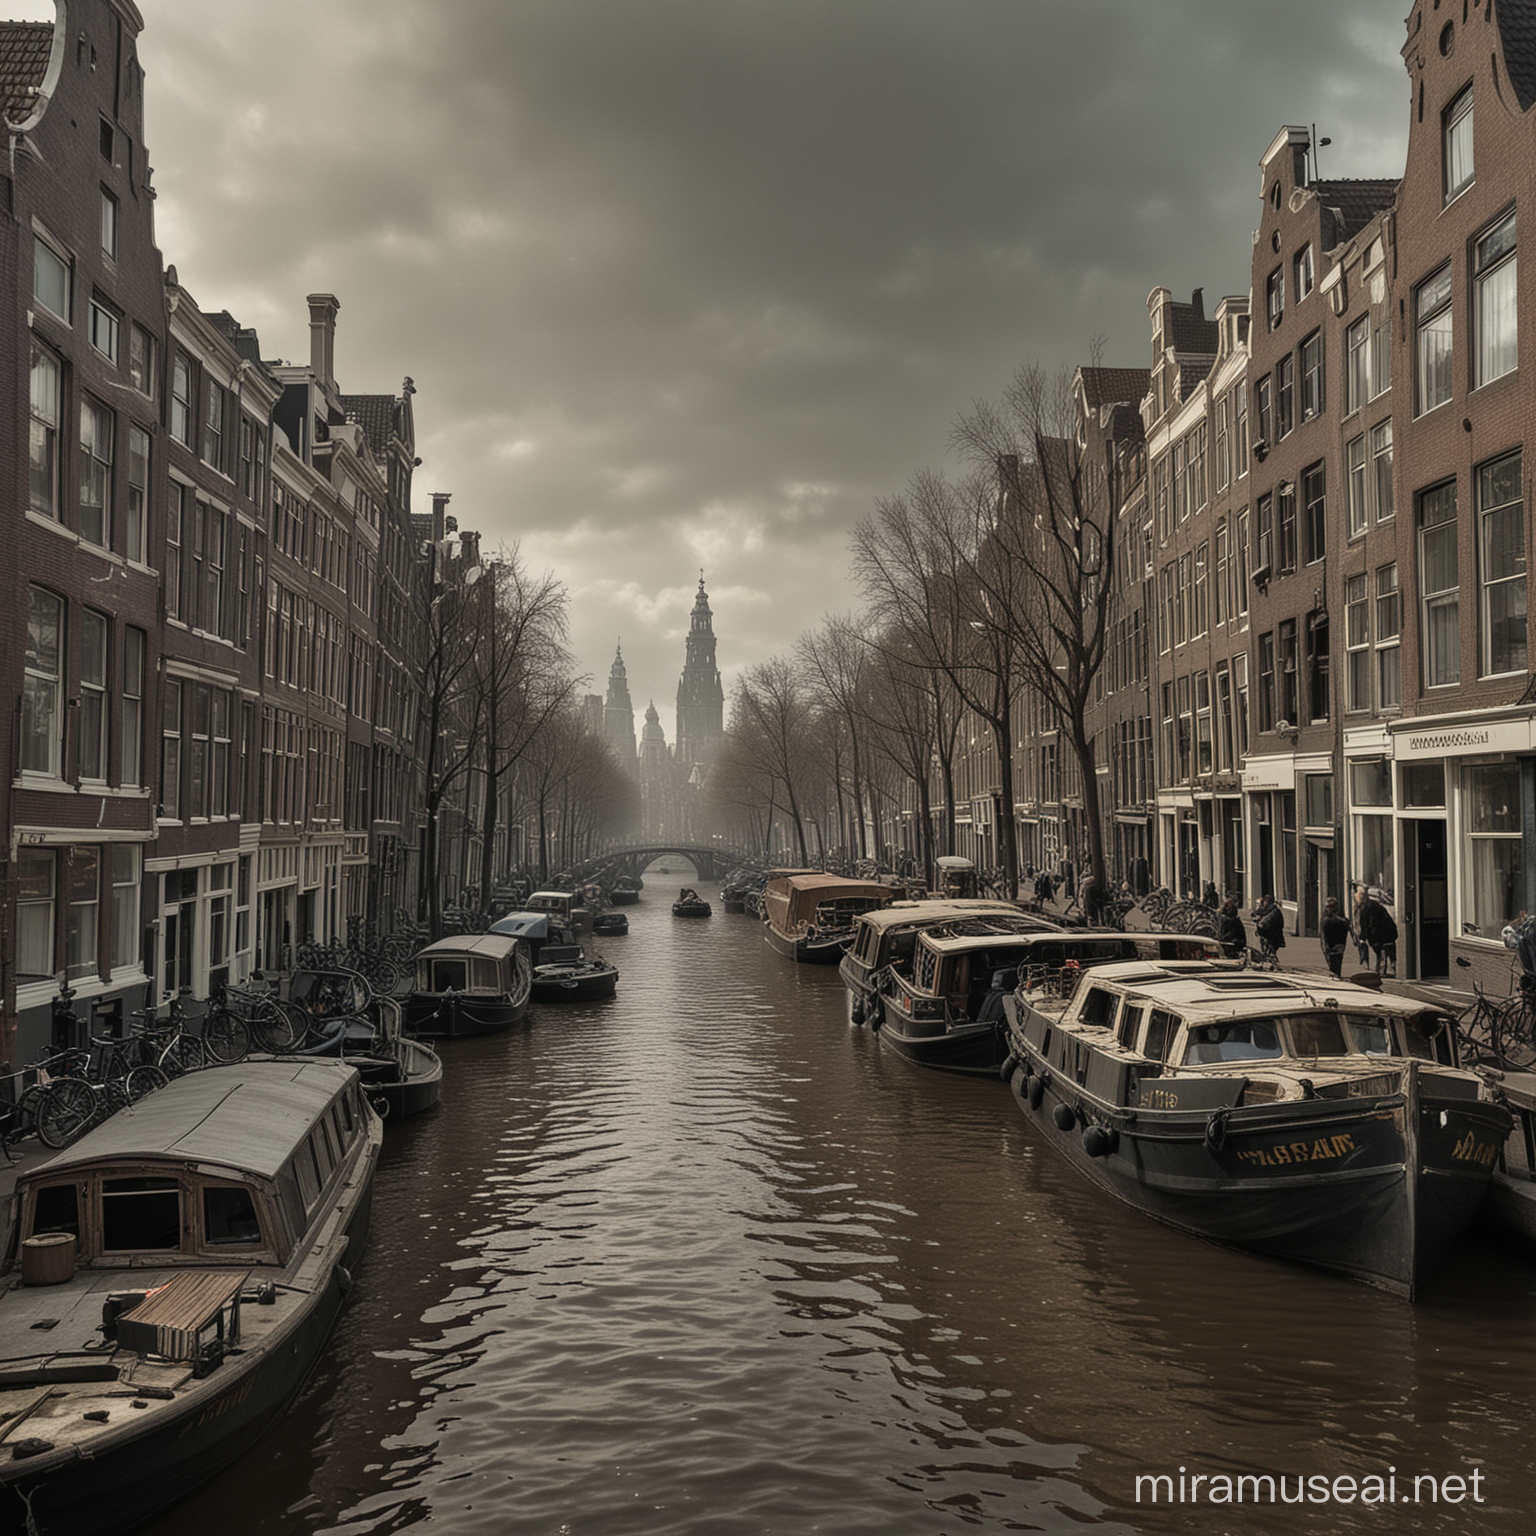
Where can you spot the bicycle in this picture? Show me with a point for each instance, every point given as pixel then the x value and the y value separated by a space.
pixel 1265 958
pixel 95 1085
pixel 166 1043
pixel 244 1019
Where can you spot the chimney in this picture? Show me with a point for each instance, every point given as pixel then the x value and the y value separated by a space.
pixel 440 500
pixel 322 337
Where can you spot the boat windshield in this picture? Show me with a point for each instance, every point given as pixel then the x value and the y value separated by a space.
pixel 1372 1036
pixel 1318 1034
pixel 1235 1040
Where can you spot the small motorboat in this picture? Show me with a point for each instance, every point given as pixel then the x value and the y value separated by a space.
pixel 471 984
pixel 626 891
pixel 690 904
pixel 609 923
pixel 563 972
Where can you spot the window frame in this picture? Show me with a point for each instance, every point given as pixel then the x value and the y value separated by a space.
pixel 1456 136
pixel 1489 585
pixel 1494 268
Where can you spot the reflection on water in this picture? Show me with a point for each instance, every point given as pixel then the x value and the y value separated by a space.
pixel 704 1260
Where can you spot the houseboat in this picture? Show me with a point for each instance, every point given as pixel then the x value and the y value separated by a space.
pixel 170 1281
pixel 888 936
pixel 810 917
pixel 945 1009
pixel 1297 1116
pixel 470 984
pixel 563 972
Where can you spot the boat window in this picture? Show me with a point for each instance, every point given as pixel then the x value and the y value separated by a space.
pixel 1428 1037
pixel 140 1213
pixel 1098 1007
pixel 1130 1026
pixel 925 969
pixel 229 1217
pixel 56 1208
pixel 1235 1040
pixel 487 976
pixel 1371 1037
pixel 324 1151
pixel 450 976
pixel 341 1123
pixel 1160 1029
pixel 1317 1034
pixel 308 1174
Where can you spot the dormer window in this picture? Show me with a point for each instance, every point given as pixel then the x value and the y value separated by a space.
pixel 1458 145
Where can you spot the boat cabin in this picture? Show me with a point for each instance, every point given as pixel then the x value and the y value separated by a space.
pixel 484 963
pixel 795 904
pixel 232 1166
pixel 889 936
pixel 557 904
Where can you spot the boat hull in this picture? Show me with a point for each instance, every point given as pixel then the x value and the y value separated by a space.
pixel 691 909
pixel 827 951
pixel 1374 1188
pixel 588 987
pixel 622 898
pixel 411 1086
pixel 974 1048
pixel 433 1017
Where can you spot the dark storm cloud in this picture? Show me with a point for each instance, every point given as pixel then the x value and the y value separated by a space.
pixel 695 281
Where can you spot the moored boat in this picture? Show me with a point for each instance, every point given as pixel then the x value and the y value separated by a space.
pixel 563 972
pixel 944 1008
pixel 610 924
pixel 690 904
pixel 180 1266
pixel 470 984
pixel 625 891
pixel 1295 1116
pixel 809 916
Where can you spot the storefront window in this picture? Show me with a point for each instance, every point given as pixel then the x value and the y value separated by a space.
pixel 1373 851
pixel 1494 846
pixel 1424 784
pixel 1370 782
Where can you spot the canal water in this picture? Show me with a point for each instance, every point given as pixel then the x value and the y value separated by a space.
pixel 705 1260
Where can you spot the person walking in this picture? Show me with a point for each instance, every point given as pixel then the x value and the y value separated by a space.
pixel 1269 925
pixel 1378 928
pixel 1230 931
pixel 1334 935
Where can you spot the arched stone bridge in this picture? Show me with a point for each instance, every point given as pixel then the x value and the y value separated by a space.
pixel 709 863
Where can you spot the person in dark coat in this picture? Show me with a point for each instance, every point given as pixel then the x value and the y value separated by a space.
pixel 1230 931
pixel 1269 925
pixel 1378 928
pixel 1211 897
pixel 1333 932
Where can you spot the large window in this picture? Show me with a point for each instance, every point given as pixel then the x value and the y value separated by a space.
pixel 1312 375
pixel 175 533
pixel 1432 327
pixel 1288 667
pixel 43 453
pixel 181 401
pixel 138 490
pixel 1439 586
pixel 141 360
pixel 213 424
pixel 1389 629
pixel 36 874
pixel 1264 535
pixel 1494 301
pixel 1494 845
pixel 170 751
pixel 1274 297
pixel 1501 554
pixel 125 906
pixel 104 326
pixel 1285 525
pixel 42 726
pixel 93 695
pixel 133 705
pixel 1355 484
pixel 83 925
pixel 1285 395
pixel 1381 468
pixel 1314 496
pixel 50 278
pixel 95 473
pixel 1266 680
pixel 1357 644
pixel 1304 273
pixel 1458 144
pixel 1357 354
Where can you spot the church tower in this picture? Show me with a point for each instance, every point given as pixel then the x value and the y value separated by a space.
pixel 657 808
pixel 700 698
pixel 619 715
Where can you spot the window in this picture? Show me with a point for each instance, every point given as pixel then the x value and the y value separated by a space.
pixel 50 278
pixel 141 360
pixel 1274 297
pixel 103 326
pixel 213 424
pixel 1240 565
pixel 1304 273
pixel 1204 749
pixel 1501 554
pixel 1439 586
pixel 93 695
pixel 1287 667
pixel 1314 496
pixel 1317 803
pixel 108 223
pixel 1240 430
pixel 1312 376
pixel 43 462
pixel 1355 484
pixel 1381 358
pixel 1286 525
pixel 213 599
pixel 1266 669
pixel 175 529
pixel 1357 358
pixel 1200 607
pixel 1389 627
pixel 1432 325
pixel 1381 468
pixel 1181 587
pixel 81 927
pixel 1494 310
pixel 181 401
pixel 1319 696
pixel 1263 405
pixel 1220 602
pixel 133 705
pixel 138 490
pixel 1264 535
pixel 1494 845
pixel 95 473
pixel 125 905
pixel 1240 683
pixel 170 751
pixel 1357 644
pixel 42 725
pixel 1285 395
pixel 140 1213
pixel 1457 134
pixel 36 873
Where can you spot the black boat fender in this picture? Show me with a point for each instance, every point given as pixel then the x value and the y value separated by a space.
pixel 1037 1085
pixel 876 1013
pixel 1100 1140
pixel 1216 1130
pixel 1064 1117
pixel 1010 1061
pixel 856 1013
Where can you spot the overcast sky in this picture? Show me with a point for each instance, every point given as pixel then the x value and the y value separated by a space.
pixel 692 283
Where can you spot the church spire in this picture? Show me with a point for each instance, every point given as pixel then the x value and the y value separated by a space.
pixel 700 696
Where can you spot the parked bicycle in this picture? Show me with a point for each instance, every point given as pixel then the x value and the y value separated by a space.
pixel 92 1085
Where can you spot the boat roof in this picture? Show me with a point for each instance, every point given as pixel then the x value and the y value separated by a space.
pixel 954 861
pixel 820 883
pixel 911 913
pixel 523 925
pixel 552 896
pixel 495 946
pixel 247 1117
pixel 993 931
pixel 1196 988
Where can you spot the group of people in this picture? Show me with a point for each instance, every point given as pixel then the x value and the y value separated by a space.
pixel 1373 931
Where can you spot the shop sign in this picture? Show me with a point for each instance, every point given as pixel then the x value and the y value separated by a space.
pixel 1463 740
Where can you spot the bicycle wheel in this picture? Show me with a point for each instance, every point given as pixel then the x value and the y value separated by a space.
pixel 274 1029
pixel 142 1080
pixel 225 1037
pixel 65 1111
pixel 184 1054
pixel 1516 1039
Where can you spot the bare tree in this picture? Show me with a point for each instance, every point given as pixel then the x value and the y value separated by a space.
pixel 772 714
pixel 835 661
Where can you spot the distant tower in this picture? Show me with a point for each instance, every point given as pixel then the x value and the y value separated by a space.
pixel 700 698
pixel 619 715
pixel 656 779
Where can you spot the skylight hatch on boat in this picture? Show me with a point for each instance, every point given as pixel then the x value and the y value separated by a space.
pixel 1249 984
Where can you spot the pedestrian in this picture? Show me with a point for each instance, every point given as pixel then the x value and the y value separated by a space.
pixel 1093 901
pixel 1230 930
pixel 1378 928
pixel 1334 935
pixel 1269 925
pixel 1211 896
